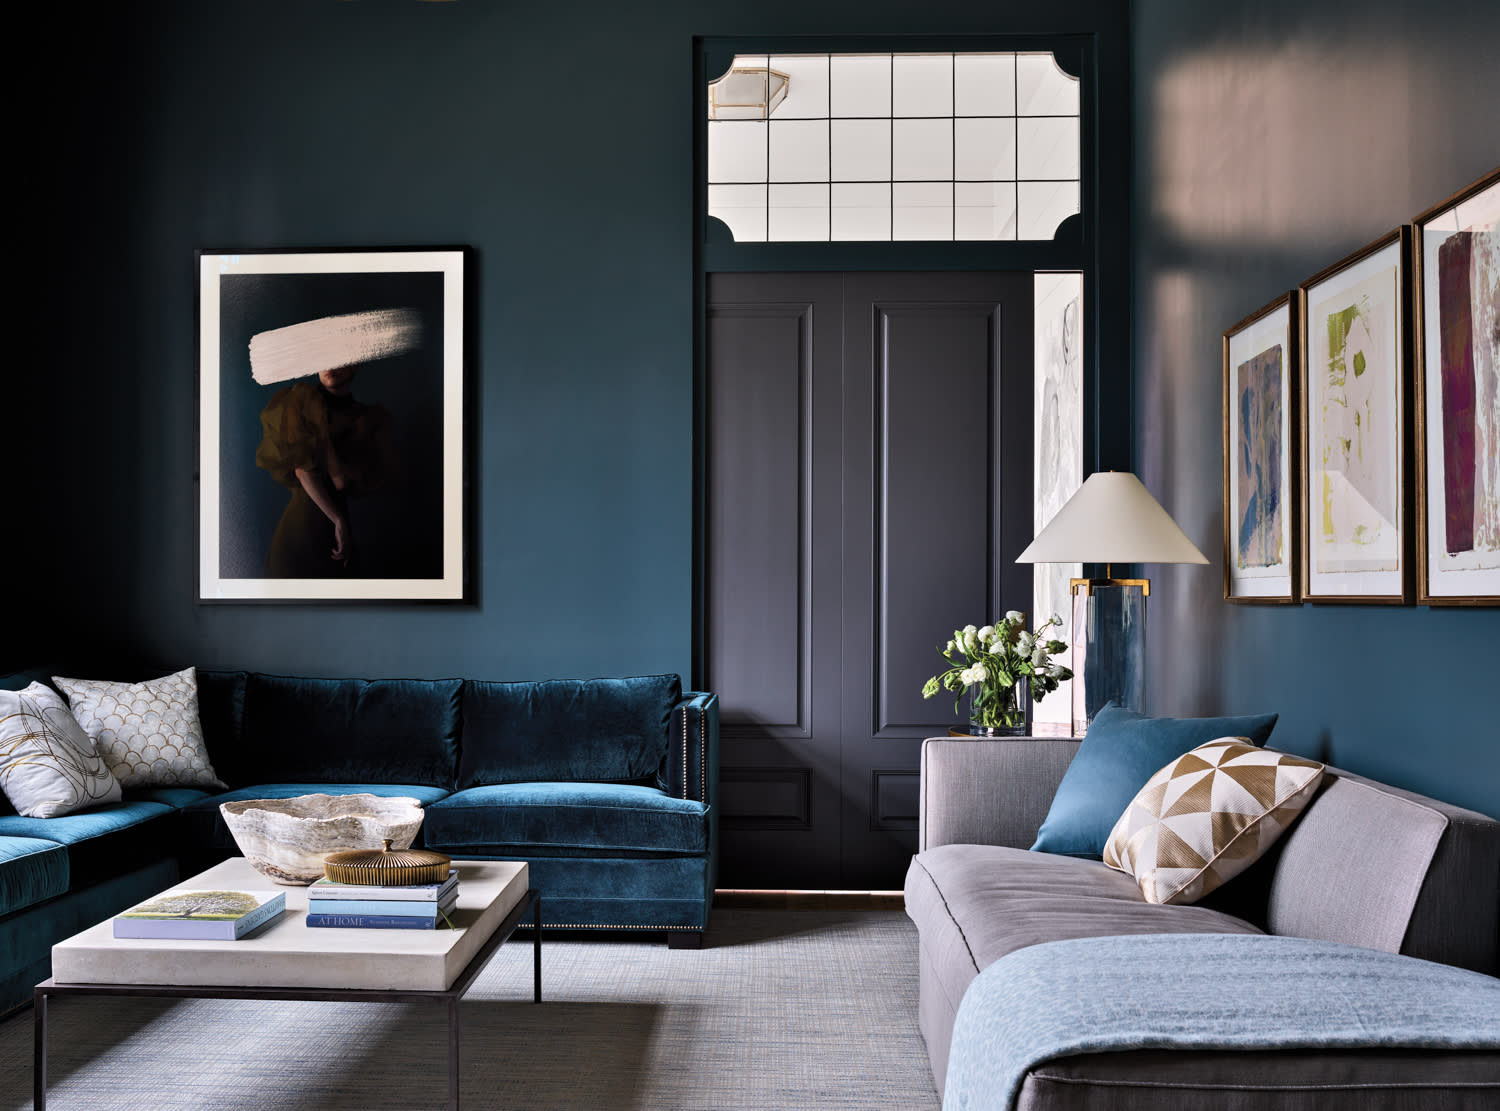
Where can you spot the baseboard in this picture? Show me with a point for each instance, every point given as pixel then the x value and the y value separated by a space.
pixel 808 900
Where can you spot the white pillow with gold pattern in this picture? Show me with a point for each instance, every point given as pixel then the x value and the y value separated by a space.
pixel 1207 816
pixel 48 766
pixel 148 733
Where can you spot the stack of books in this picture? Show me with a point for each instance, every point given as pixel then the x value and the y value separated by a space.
pixel 362 906
pixel 201 915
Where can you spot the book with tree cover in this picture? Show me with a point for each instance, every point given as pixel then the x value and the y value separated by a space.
pixel 210 915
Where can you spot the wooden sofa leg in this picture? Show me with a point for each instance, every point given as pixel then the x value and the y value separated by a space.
pixel 684 939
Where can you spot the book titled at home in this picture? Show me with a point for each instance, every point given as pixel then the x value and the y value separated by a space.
pixel 379 921
pixel 201 915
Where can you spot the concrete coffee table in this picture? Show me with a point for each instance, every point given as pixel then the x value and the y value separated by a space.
pixel 288 960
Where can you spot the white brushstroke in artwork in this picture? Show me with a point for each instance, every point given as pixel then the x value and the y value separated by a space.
pixel 1057 463
pixel 1485 281
pixel 312 346
pixel 1355 458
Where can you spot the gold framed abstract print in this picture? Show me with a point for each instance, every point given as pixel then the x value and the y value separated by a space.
pixel 1261 510
pixel 1355 393
pixel 1456 326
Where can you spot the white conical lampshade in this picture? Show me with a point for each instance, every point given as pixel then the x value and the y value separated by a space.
pixel 1112 519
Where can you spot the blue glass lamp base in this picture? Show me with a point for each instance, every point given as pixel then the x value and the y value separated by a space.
pixel 1109 642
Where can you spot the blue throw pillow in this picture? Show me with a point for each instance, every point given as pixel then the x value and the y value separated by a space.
pixel 1121 751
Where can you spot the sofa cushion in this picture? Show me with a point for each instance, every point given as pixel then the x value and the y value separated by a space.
pixel 31 870
pixel 975 903
pixel 1122 750
pixel 567 730
pixel 1207 816
pixel 101 841
pixel 346 731
pixel 205 824
pixel 612 817
pixel 1356 868
pixel 175 797
pixel 221 712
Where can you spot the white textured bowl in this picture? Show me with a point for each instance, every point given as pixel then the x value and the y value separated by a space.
pixel 287 839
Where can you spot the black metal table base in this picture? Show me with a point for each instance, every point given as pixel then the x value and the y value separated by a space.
pixel 531 902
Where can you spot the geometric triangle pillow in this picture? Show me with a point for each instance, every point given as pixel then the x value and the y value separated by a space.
pixel 1207 816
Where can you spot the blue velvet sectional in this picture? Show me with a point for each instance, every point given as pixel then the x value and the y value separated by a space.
pixel 606 787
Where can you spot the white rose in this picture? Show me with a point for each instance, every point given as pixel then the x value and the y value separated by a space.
pixel 1014 615
pixel 969 629
pixel 987 634
pixel 971 639
pixel 1055 619
pixel 979 672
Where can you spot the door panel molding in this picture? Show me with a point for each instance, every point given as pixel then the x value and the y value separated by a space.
pixel 935 398
pixel 765 798
pixel 763 689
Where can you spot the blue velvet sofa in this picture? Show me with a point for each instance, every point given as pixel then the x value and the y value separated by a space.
pixel 606 787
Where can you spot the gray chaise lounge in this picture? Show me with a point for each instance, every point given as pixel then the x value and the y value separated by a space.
pixel 1366 864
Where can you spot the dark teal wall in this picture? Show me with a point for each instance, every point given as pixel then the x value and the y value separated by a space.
pixel 1271 140
pixel 557 141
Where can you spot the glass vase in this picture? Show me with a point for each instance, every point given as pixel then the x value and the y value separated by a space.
pixel 1001 711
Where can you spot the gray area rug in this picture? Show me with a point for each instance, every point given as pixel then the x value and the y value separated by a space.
pixel 781 1009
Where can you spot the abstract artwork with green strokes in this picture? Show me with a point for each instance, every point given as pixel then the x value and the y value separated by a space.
pixel 1356 454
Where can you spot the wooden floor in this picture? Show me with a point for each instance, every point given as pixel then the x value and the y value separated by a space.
pixel 810 900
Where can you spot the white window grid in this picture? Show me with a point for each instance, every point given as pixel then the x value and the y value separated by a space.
pixel 809 207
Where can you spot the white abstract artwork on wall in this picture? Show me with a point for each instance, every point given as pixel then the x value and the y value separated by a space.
pixel 1057 463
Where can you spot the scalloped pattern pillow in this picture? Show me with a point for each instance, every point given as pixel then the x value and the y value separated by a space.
pixel 148 733
pixel 1207 816
pixel 48 765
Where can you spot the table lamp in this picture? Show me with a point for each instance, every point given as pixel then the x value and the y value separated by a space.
pixel 1111 519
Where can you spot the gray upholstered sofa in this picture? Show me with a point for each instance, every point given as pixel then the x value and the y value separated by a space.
pixel 1366 864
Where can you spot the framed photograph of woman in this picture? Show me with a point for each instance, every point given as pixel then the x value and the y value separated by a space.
pixel 1456 286
pixel 331 389
pixel 1354 465
pixel 1261 508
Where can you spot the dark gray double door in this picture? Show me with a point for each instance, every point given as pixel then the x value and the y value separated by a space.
pixel 868 489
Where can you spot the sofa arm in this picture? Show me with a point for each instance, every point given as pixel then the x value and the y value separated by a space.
pixel 988 792
pixel 693 748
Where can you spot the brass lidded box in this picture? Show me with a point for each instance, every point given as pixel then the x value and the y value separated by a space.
pixel 387 867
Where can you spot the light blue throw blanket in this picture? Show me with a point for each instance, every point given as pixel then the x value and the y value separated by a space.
pixel 1203 991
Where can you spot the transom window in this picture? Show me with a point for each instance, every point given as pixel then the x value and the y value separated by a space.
pixel 845 147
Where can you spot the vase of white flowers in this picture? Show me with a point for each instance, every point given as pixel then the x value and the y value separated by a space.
pixel 1004 668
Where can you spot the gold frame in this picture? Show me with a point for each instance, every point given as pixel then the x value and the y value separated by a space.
pixel 1419 400
pixel 1086 586
pixel 1402 238
pixel 1292 497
